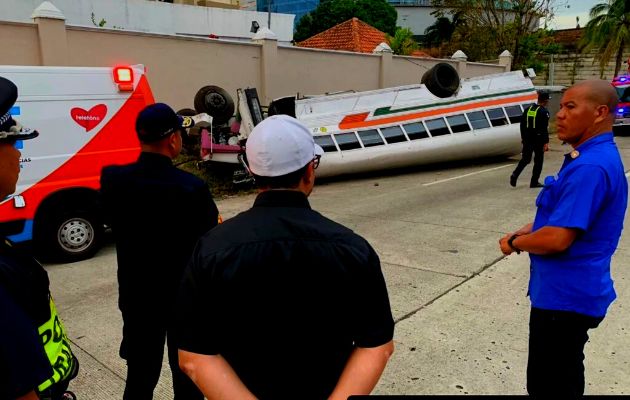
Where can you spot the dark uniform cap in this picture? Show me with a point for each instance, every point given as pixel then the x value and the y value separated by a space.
pixel 10 129
pixel 543 95
pixel 158 120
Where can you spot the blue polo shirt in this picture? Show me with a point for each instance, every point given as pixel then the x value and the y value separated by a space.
pixel 590 194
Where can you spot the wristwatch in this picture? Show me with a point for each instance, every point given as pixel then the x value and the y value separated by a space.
pixel 510 243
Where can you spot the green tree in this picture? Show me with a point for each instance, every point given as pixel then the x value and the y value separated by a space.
pixel 402 43
pixel 490 26
pixel 378 13
pixel 608 31
pixel 441 31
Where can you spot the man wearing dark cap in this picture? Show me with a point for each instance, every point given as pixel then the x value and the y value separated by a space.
pixel 535 137
pixel 35 360
pixel 157 213
pixel 280 302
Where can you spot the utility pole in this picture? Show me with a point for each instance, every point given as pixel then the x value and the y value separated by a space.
pixel 269 14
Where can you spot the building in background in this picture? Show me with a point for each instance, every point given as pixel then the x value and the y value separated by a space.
pixel 156 17
pixel 247 5
pixel 352 35
pixel 230 4
pixel 297 7
pixel 414 14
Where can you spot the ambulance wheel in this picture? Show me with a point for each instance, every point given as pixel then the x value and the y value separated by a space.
pixel 216 102
pixel 72 236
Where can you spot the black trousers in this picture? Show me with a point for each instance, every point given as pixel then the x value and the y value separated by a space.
pixel 555 367
pixel 538 150
pixel 143 348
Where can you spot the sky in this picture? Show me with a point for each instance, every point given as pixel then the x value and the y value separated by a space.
pixel 567 11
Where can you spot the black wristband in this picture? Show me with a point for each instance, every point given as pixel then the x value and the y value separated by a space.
pixel 511 244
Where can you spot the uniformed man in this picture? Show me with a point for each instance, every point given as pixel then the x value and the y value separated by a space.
pixel 535 138
pixel 280 302
pixel 35 357
pixel 157 213
pixel 571 241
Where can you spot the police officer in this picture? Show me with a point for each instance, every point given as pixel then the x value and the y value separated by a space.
pixel 535 138
pixel 35 356
pixel 157 213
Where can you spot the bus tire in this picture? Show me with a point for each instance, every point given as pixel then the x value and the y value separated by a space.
pixel 215 101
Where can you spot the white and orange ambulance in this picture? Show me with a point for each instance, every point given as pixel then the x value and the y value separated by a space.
pixel 85 117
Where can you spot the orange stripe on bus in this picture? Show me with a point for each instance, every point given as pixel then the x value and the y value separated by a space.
pixel 430 113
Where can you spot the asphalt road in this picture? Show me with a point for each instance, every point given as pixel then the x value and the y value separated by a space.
pixel 460 306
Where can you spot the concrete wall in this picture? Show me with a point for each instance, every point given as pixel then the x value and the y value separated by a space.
pixel 178 66
pixel 574 67
pixel 23 46
pixel 156 17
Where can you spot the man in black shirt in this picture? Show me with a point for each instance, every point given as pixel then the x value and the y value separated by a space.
pixel 280 302
pixel 535 137
pixel 157 213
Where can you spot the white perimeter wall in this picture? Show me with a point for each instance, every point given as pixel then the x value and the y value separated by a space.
pixel 155 17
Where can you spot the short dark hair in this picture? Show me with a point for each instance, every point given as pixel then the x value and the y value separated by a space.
pixel 543 96
pixel 288 181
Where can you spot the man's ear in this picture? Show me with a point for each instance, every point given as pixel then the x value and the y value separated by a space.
pixel 309 174
pixel 172 140
pixel 602 113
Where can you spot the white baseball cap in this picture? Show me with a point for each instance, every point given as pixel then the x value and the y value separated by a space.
pixel 280 145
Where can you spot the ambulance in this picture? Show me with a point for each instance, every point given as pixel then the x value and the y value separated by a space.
pixel 85 117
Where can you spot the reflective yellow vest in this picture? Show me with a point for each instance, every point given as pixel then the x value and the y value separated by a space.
pixel 57 346
pixel 531 114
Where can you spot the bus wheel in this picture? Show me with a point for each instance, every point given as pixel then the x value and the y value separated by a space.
pixel 70 237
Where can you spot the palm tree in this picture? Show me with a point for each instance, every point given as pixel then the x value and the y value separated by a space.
pixel 442 30
pixel 609 31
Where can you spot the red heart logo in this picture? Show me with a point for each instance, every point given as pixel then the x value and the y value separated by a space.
pixel 89 119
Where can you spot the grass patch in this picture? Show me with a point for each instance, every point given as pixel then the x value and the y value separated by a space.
pixel 218 176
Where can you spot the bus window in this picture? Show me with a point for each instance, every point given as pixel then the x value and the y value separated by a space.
pixel 437 127
pixel 326 143
pixel 347 141
pixel 371 138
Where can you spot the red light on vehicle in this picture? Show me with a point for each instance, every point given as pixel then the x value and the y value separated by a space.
pixel 123 76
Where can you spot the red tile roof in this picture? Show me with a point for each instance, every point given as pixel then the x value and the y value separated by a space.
pixel 570 39
pixel 352 35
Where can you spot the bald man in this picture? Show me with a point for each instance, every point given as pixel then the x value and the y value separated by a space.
pixel 576 230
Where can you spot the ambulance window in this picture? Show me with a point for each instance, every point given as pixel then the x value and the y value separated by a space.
pixel 497 117
pixel 514 114
pixel 437 127
pixel 347 141
pixel 371 138
pixel 326 143
pixel 478 120
pixel 393 134
pixel 416 131
pixel 458 123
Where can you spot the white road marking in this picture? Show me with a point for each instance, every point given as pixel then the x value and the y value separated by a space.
pixel 471 174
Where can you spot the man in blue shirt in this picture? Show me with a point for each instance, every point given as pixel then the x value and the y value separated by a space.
pixel 571 241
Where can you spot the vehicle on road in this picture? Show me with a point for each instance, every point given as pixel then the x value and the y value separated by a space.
pixel 441 119
pixel 622 116
pixel 85 116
